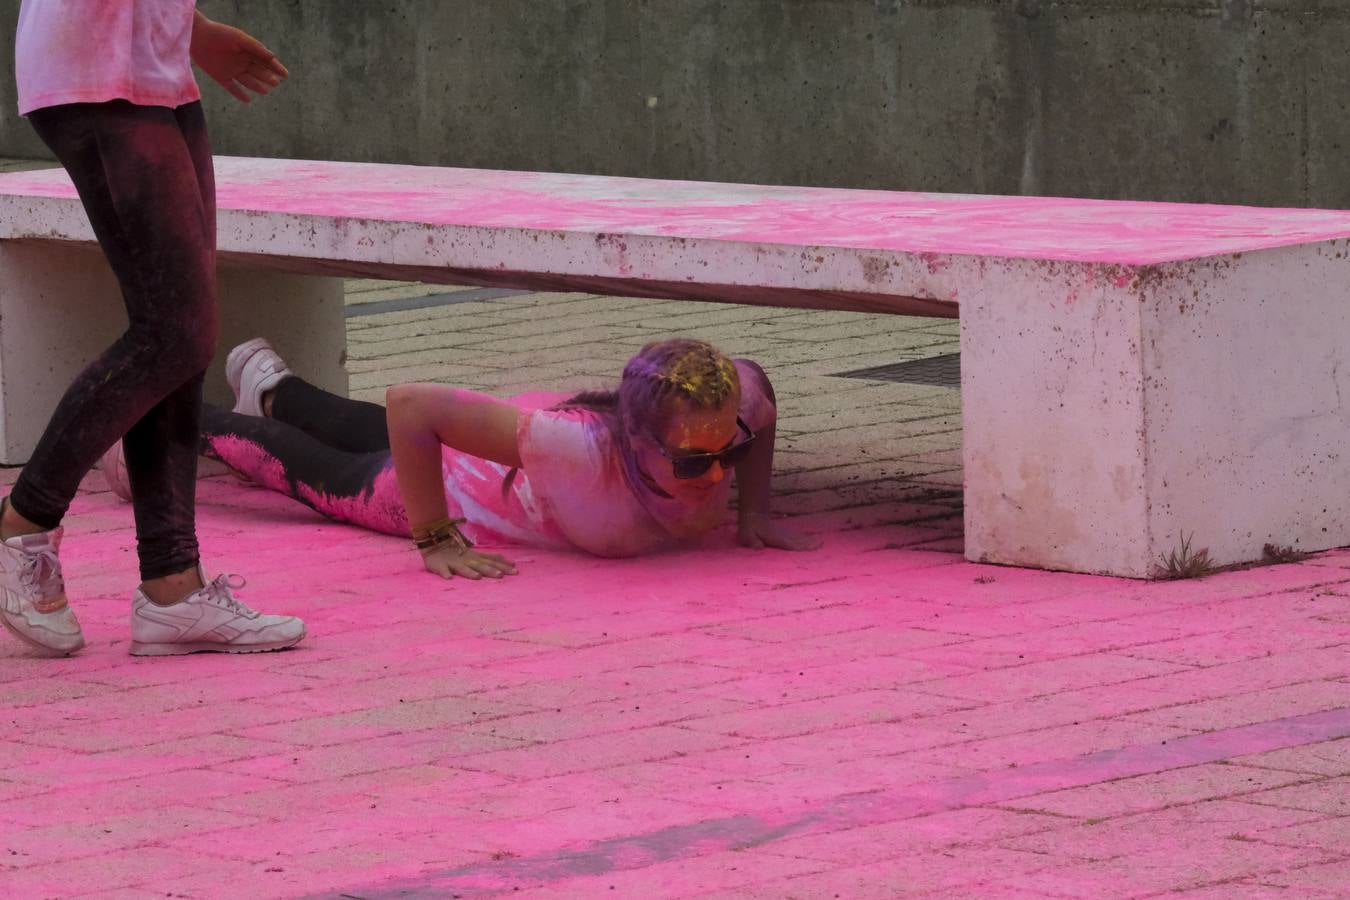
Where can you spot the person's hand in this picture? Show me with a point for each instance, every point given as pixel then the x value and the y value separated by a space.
pixel 235 60
pixel 448 560
pixel 759 532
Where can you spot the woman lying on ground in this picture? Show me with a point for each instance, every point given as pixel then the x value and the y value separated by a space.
pixel 614 473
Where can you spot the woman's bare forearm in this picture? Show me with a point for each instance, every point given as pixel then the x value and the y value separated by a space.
pixel 425 417
pixel 417 459
pixel 754 477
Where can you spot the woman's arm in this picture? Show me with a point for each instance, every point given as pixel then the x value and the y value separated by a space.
pixel 756 470
pixel 235 60
pixel 753 476
pixel 755 527
pixel 424 417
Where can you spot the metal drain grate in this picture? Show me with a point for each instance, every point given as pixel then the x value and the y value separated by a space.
pixel 939 371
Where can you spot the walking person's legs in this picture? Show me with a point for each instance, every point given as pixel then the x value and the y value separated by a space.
pixel 142 192
pixel 142 186
pixel 144 176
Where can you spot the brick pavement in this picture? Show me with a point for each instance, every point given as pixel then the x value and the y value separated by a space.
pixel 878 719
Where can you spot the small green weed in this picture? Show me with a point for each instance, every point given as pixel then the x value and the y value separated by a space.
pixel 1184 562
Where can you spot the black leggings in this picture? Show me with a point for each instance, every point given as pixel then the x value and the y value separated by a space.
pixel 145 176
pixel 328 452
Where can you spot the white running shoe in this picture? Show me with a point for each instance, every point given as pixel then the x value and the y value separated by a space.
pixel 113 465
pixel 33 602
pixel 252 369
pixel 211 619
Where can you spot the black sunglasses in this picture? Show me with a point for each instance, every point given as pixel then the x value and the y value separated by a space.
pixel 694 465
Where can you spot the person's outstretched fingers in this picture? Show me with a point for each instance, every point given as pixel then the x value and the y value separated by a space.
pixel 491 568
pixel 500 562
pixel 258 86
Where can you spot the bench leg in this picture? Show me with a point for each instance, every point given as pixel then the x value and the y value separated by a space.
pixel 1052 401
pixel 1111 413
pixel 60 307
pixel 302 315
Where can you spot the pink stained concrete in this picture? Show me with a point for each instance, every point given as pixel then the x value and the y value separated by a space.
pixel 942 224
pixel 594 723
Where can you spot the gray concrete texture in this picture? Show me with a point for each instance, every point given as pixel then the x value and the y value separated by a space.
pixel 1227 101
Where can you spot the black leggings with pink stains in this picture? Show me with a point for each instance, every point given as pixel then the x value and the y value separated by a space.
pixel 145 177
pixel 328 452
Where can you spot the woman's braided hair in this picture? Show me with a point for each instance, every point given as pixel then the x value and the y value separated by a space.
pixel 666 375
pixel 662 376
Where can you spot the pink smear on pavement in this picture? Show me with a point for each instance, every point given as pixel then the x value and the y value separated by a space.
pixel 756 828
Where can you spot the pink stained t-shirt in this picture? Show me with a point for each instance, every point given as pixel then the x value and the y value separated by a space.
pixel 572 489
pixel 92 51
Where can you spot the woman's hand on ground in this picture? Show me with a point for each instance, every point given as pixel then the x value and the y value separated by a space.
pixel 448 561
pixel 761 531
pixel 237 61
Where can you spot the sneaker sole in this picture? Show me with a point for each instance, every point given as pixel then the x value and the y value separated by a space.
pixel 38 645
pixel 140 649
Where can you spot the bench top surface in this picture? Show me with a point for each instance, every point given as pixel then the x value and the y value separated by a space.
pixel 958 224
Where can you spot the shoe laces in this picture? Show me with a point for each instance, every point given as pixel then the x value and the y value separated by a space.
pixel 220 589
pixel 40 571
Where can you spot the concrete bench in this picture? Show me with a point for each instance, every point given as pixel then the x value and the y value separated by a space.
pixel 1131 372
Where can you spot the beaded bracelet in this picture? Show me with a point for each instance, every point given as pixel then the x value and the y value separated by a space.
pixel 441 531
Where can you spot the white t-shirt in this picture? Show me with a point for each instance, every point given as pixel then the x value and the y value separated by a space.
pixel 575 487
pixel 92 51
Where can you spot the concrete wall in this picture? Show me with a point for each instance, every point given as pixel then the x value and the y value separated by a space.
pixel 1233 101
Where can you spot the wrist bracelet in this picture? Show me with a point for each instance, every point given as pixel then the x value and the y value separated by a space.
pixel 441 531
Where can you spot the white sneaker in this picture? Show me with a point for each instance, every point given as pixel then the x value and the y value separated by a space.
pixel 33 602
pixel 252 369
pixel 210 619
pixel 113 465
